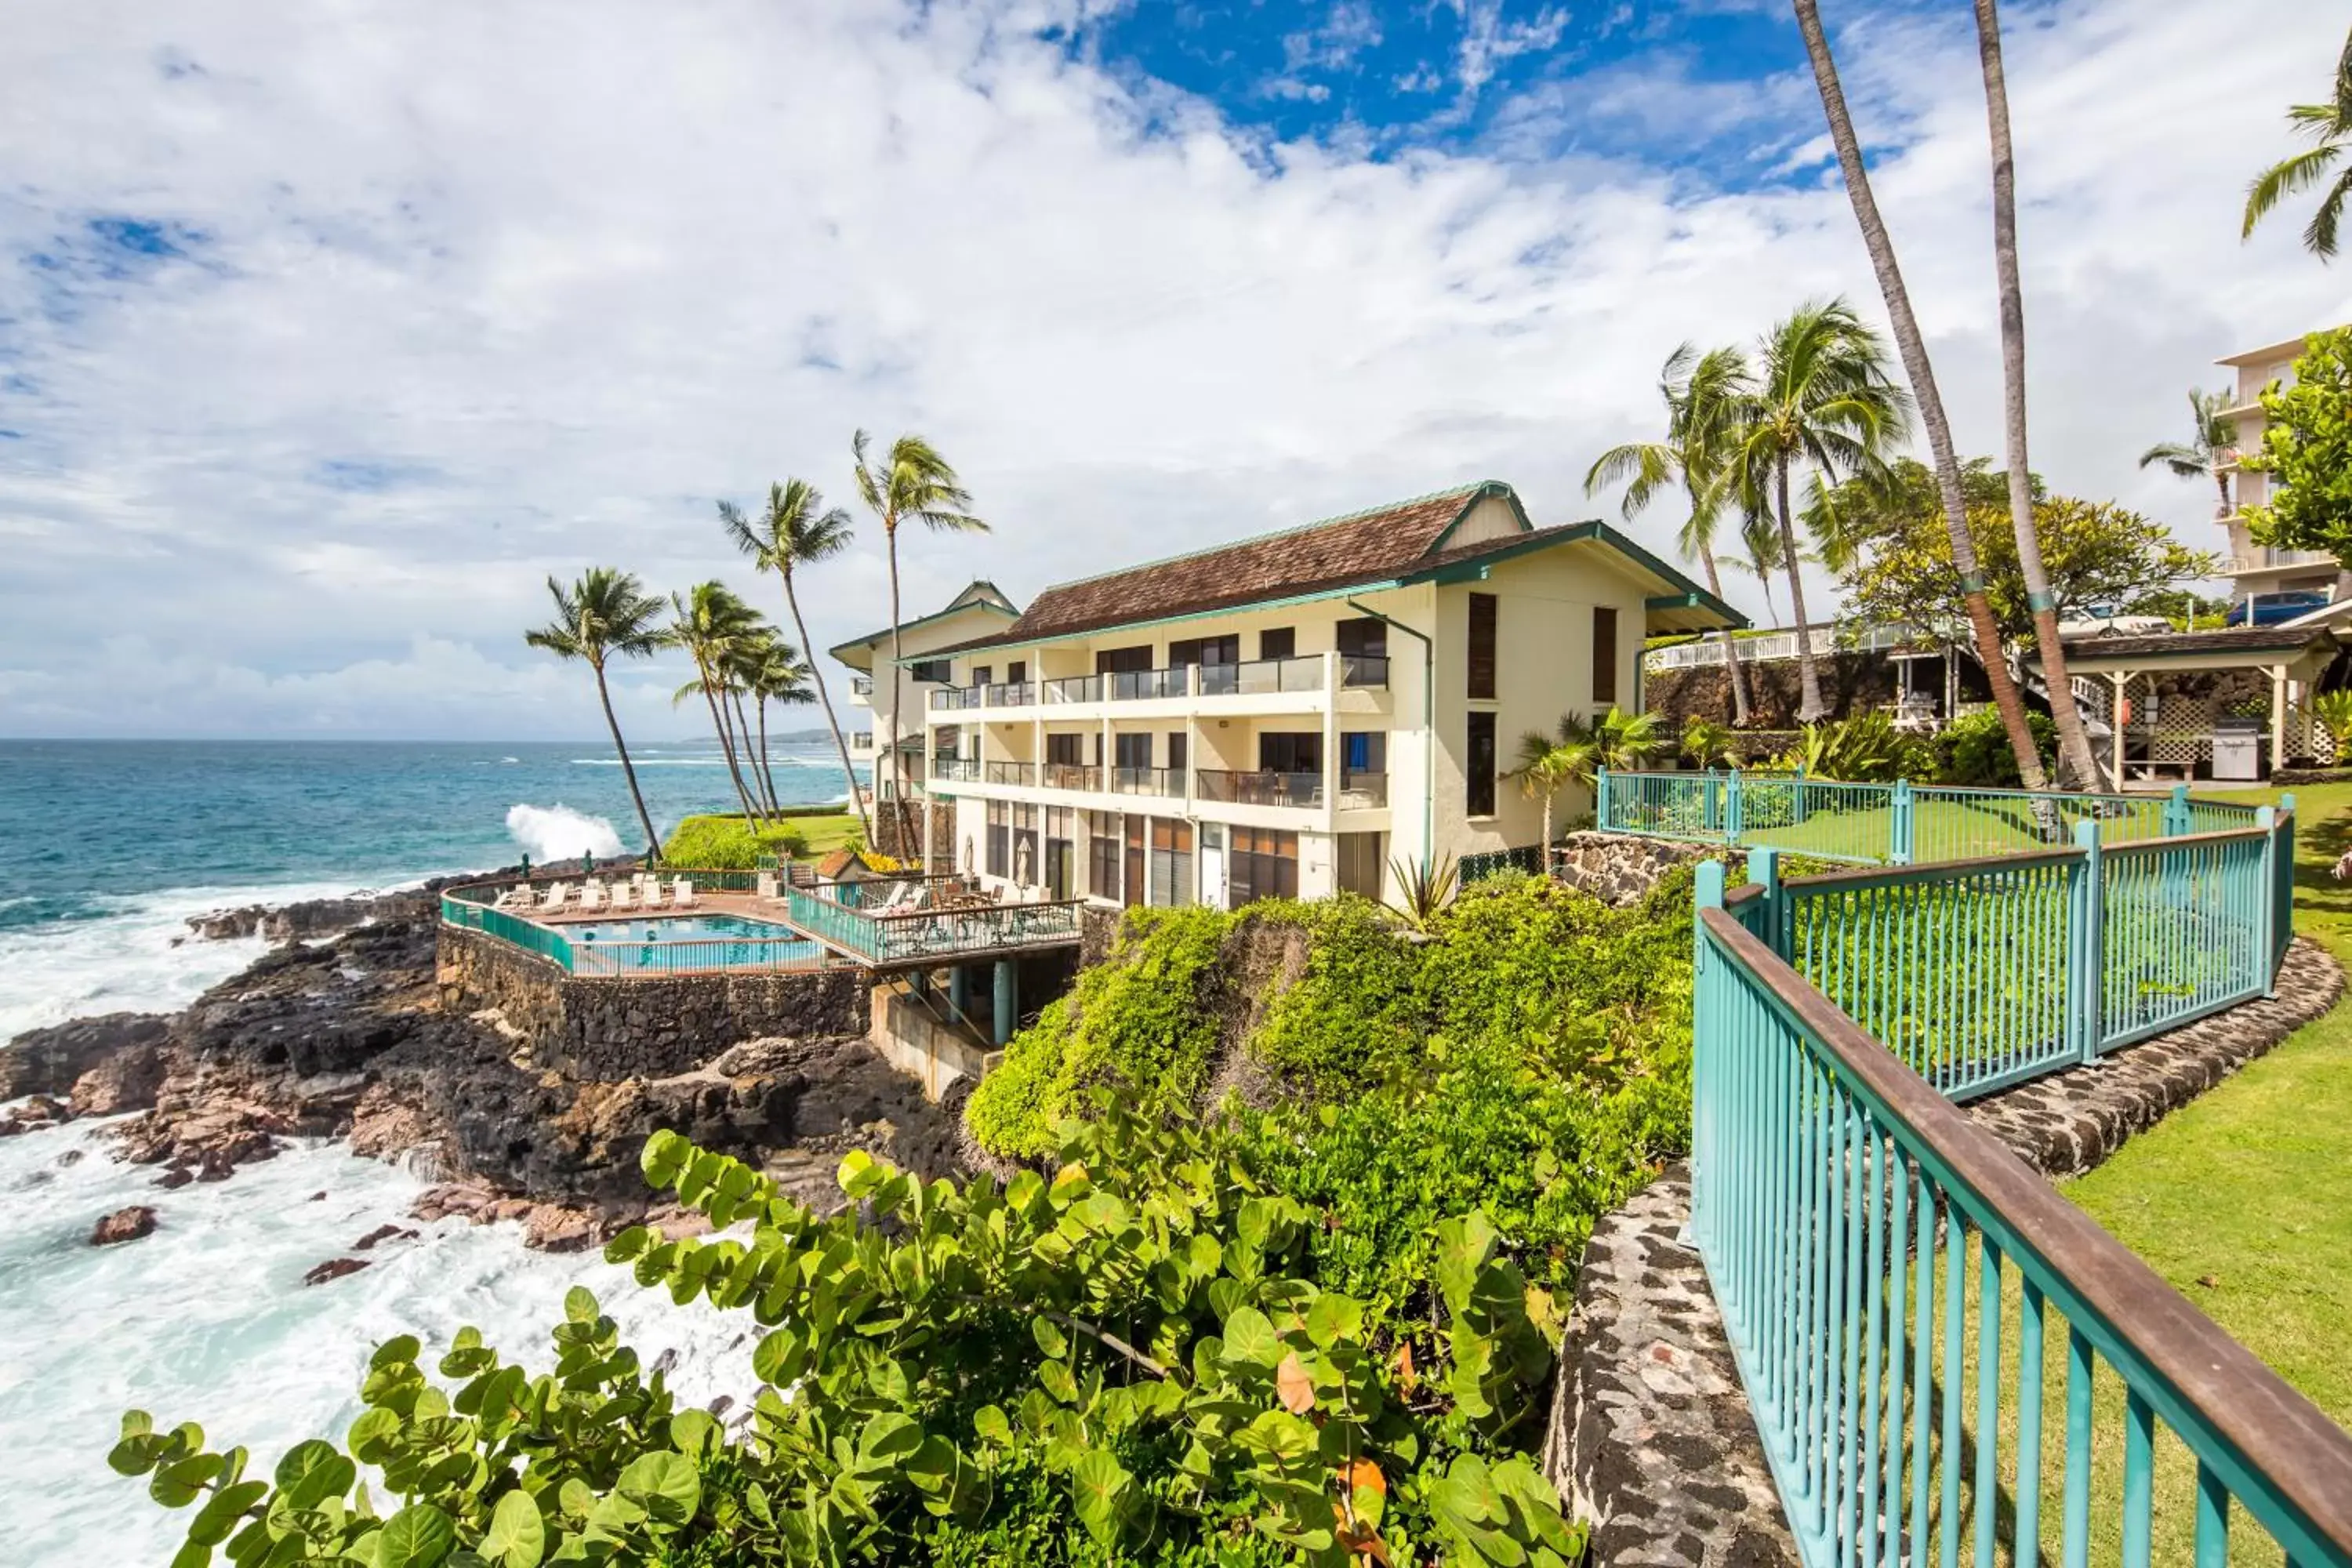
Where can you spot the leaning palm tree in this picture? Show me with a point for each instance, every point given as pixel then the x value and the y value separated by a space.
pixel 1546 766
pixel 1821 398
pixel 774 672
pixel 2073 743
pixel 798 529
pixel 606 612
pixel 710 624
pixel 1984 631
pixel 1702 394
pixel 2203 453
pixel 2329 127
pixel 912 483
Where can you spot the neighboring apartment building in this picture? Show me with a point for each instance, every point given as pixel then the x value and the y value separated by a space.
pixel 2277 583
pixel 979 610
pixel 1287 715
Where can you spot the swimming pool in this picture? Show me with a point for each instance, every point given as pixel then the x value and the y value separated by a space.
pixel 680 943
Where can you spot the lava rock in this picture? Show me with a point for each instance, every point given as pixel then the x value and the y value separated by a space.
pixel 47 1061
pixel 123 1225
pixel 382 1233
pixel 333 1269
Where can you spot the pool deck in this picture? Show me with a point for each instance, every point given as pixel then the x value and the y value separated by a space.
pixel 747 906
pixel 777 911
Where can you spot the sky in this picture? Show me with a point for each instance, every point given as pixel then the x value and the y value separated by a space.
pixel 328 332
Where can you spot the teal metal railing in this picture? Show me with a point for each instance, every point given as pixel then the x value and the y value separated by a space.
pixel 459 910
pixel 876 934
pixel 1897 824
pixel 1920 1321
pixel 472 907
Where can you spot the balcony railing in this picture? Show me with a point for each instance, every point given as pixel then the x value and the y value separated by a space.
pixel 1364 672
pixel 1072 775
pixel 918 919
pixel 1073 689
pixel 861 740
pixel 1233 787
pixel 1163 781
pixel 1261 676
pixel 956 769
pixel 861 686
pixel 1139 685
pixel 1013 694
pixel 955 697
pixel 1024 774
pixel 1363 791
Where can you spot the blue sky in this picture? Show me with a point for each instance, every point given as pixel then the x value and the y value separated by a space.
pixel 326 334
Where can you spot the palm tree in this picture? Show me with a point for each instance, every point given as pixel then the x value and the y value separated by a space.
pixel 1708 742
pixel 1913 347
pixel 2329 127
pixel 911 484
pixel 1702 394
pixel 1548 765
pixel 606 612
pixel 798 529
pixel 1759 557
pixel 2202 455
pixel 1823 397
pixel 710 624
pixel 774 672
pixel 2073 743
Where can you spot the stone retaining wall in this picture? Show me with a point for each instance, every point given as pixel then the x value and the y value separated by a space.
pixel 1651 1438
pixel 606 1030
pixel 1617 868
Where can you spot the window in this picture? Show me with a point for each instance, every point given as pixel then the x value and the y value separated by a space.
pixel 1026 866
pixel 1122 661
pixel 1264 865
pixel 947 741
pixel 1000 838
pixel 1278 642
pixel 1364 638
pixel 1364 750
pixel 1017 671
pixel 1104 831
pixel 1604 653
pixel 1139 830
pixel 1060 850
pixel 1132 751
pixel 1359 863
pixel 981 674
pixel 1226 649
pixel 937 670
pixel 1283 752
pixel 1482 647
pixel 1066 749
pixel 1480 782
pixel 1176 751
pixel 1172 862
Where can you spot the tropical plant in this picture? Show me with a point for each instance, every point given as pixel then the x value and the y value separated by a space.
pixel 2333 712
pixel 1548 765
pixel 606 612
pixel 1973 751
pixel 1863 748
pixel 1708 743
pixel 2329 126
pixel 1913 348
pixel 1822 397
pixel 1141 1332
pixel 1424 888
pixel 1703 394
pixel 911 483
pixel 799 529
pixel 2073 742
pixel 1618 741
pixel 713 626
pixel 2306 450
pixel 2203 455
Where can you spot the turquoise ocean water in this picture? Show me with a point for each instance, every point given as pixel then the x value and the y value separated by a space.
pixel 105 849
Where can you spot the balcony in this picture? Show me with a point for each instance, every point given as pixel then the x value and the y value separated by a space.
pixel 926 921
pixel 861 740
pixel 2268 559
pixel 956 769
pixel 1260 676
pixel 1363 791
pixel 1012 694
pixel 956 698
pixel 1229 786
pixel 1364 672
pixel 1072 775
pixel 1024 774
pixel 1167 784
pixel 861 688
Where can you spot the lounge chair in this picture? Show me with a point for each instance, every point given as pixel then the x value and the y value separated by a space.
pixel 592 896
pixel 768 885
pixel 515 898
pixel 681 894
pixel 553 898
pixel 625 895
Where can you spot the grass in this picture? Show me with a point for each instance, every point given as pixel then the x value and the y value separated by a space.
pixel 729 842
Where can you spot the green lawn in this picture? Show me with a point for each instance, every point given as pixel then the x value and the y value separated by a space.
pixel 726 841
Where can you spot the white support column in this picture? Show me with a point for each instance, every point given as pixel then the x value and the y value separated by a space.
pixel 2116 723
pixel 1331 743
pixel 2278 717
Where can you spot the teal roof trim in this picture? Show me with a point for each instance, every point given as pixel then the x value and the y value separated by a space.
pixel 961 604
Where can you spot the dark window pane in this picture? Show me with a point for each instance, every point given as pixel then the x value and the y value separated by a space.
pixel 1482 647
pixel 1604 654
pixel 1176 751
pixel 1481 765
pixel 1281 642
pixel 1364 638
pixel 1117 660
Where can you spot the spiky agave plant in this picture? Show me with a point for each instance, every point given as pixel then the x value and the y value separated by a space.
pixel 1424 888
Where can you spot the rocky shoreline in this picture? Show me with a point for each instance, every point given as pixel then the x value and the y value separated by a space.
pixel 341 1031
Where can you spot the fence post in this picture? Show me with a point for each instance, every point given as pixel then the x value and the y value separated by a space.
pixel 1710 814
pixel 2176 812
pixel 1764 871
pixel 1797 795
pixel 1900 822
pixel 2266 941
pixel 1732 809
pixel 2283 883
pixel 1600 799
pixel 2085 947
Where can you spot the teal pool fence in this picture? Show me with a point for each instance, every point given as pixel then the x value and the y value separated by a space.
pixel 473 908
pixel 1921 1323
pixel 876 934
pixel 1898 823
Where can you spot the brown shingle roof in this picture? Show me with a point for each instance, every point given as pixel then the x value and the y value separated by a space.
pixel 1364 546
pixel 2239 640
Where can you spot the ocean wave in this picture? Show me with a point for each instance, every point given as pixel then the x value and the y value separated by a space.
pixel 207 1319
pixel 558 833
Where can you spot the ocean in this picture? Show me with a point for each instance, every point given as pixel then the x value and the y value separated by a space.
pixel 106 850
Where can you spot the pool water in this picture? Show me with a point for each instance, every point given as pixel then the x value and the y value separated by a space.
pixel 678 928
pixel 684 943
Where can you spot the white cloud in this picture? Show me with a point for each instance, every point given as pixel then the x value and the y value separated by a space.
pixel 484 293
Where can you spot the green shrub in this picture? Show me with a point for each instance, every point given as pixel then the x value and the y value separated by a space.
pixel 1973 751
pixel 730 843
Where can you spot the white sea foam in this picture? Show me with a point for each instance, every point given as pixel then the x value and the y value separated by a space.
pixel 124 959
pixel 207 1319
pixel 558 833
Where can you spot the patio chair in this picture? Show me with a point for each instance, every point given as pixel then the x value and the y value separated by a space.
pixel 681 894
pixel 767 887
pixel 592 896
pixel 625 895
pixel 553 898
pixel 514 897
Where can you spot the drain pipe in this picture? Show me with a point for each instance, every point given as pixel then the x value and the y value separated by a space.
pixel 1428 730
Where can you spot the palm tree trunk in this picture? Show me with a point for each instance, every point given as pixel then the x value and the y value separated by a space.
pixel 2075 766
pixel 1730 644
pixel 840 742
pixel 1543 858
pixel 1985 633
pixel 727 746
pixel 767 767
pixel 1810 706
pixel 628 769
pixel 763 787
pixel 898 758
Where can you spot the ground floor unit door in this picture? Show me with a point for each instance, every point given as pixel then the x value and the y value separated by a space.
pixel 1213 864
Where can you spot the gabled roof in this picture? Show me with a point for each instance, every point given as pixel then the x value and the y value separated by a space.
pixel 979 593
pixel 1386 546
